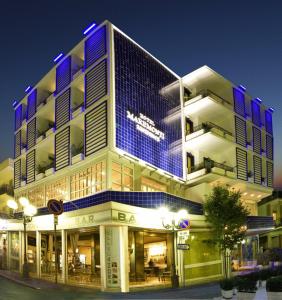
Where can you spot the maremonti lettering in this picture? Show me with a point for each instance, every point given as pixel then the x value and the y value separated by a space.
pixel 146 126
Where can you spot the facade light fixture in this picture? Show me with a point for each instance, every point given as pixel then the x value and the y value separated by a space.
pixel 89 28
pixel 58 57
pixel 28 89
pixel 241 87
pixel 12 204
pixel 24 201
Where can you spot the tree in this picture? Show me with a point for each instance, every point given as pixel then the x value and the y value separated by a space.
pixel 227 216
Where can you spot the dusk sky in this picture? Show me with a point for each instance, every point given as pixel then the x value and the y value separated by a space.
pixel 242 40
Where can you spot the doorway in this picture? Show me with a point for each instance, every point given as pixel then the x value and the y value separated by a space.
pixel 150 257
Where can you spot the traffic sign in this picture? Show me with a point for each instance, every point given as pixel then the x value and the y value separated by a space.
pixel 183 246
pixel 184 224
pixel 55 207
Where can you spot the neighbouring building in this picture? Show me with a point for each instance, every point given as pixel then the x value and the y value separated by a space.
pixel 6 183
pixel 272 206
pixel 116 134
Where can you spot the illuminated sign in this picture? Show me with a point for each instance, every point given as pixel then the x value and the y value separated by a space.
pixel 146 126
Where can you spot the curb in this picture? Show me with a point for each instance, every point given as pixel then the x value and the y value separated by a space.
pixel 19 281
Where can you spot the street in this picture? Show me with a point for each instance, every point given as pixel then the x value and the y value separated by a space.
pixel 13 291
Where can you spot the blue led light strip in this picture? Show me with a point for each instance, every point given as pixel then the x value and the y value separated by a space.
pixel 57 58
pixel 89 28
pixel 28 89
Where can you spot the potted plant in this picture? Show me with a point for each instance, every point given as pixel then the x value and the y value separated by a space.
pixel 274 288
pixel 226 286
pixel 247 287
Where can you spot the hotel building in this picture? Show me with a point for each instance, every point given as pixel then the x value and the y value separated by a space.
pixel 116 134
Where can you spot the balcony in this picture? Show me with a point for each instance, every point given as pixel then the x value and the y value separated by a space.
pixel 210 138
pixel 210 167
pixel 209 127
pixel 208 105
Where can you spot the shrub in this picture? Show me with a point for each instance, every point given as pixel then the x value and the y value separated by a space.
pixel 226 284
pixel 265 274
pixel 247 285
pixel 274 284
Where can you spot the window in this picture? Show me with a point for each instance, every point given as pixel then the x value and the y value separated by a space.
pixel 150 185
pixel 36 196
pixel 57 190
pixel 88 181
pixel 122 177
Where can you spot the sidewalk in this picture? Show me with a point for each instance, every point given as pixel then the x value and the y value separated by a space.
pixel 210 291
pixel 33 283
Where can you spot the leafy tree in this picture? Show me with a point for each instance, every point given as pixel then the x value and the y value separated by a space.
pixel 227 217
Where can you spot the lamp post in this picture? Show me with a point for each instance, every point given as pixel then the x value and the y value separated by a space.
pixel 173 222
pixel 28 212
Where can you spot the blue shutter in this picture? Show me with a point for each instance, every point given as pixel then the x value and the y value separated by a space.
pixel 95 47
pixel 63 75
pixel 62 109
pixel 30 166
pixel 31 104
pixel 17 144
pixel 269 147
pixel 257 169
pixel 241 131
pixel 269 173
pixel 96 129
pixel 62 146
pixel 17 173
pixel 31 134
pixel 18 117
pixel 256 140
pixel 242 164
pixel 239 102
pixel 268 121
pixel 96 83
pixel 256 113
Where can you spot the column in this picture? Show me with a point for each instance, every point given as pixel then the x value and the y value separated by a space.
pixel 64 256
pixel 8 250
pixel 139 255
pixel 21 250
pixel 114 258
pixel 38 254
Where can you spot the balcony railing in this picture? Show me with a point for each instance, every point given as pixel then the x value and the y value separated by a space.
pixel 209 126
pixel 205 93
pixel 208 164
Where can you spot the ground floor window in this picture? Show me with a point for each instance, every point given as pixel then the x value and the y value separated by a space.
pixel 150 185
pixel 150 258
pixel 57 190
pixel 36 196
pixel 88 181
pixel 3 251
pixel 122 177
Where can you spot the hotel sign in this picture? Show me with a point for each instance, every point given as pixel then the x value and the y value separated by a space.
pixel 146 126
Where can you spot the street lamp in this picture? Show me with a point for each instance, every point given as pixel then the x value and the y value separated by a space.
pixel 28 212
pixel 173 222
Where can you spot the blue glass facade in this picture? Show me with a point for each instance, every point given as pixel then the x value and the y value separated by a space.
pixel 148 119
pixel 139 199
